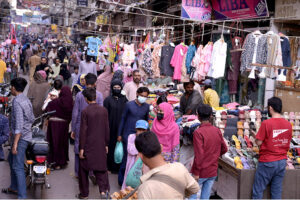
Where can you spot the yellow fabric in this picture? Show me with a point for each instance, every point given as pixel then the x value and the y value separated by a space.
pixel 211 98
pixel 2 70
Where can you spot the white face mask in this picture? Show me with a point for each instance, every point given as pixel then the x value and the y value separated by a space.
pixel 142 99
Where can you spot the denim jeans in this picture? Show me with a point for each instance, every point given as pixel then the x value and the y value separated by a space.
pixel 17 173
pixel 266 173
pixel 205 188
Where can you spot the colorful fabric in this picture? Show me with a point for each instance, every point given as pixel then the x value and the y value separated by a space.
pixel 177 59
pixel 172 156
pixel 93 46
pixel 189 57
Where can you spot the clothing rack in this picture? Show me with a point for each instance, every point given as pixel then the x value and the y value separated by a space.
pixel 273 66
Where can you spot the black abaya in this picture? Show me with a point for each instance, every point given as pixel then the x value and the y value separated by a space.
pixel 114 106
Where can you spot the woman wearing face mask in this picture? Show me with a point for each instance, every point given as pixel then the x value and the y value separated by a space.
pixel 167 131
pixel 103 81
pixel 114 104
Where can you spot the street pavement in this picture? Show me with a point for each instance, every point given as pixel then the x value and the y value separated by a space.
pixel 63 183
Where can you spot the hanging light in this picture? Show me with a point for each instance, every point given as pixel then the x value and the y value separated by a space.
pixel 144 34
pixel 154 33
pixel 172 32
pixel 100 29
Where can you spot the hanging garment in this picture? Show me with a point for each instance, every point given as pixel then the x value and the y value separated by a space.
pixel 184 76
pixel 286 52
pixel 177 59
pixel 233 72
pixel 218 60
pixel 274 55
pixel 156 60
pixel 255 51
pixel 147 61
pixel 128 55
pixel 189 57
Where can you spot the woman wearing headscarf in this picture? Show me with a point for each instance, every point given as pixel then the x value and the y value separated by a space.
pixel 167 131
pixel 37 92
pixel 104 80
pixel 65 73
pixel 58 128
pixel 119 76
pixel 114 104
pixel 80 86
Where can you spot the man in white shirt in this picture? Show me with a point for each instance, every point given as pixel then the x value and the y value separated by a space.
pixel 130 88
pixel 88 66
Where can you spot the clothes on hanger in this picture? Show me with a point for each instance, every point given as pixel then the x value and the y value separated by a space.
pixel 177 59
pixel 167 52
pixel 128 54
pixel 218 59
pixel 156 59
pixel 189 57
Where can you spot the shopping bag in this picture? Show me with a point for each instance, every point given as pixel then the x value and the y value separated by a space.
pixel 134 174
pixel 119 153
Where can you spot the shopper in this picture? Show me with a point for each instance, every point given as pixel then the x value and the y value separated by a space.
pixel 56 70
pixel 93 145
pixel 45 67
pixel 80 85
pixel 273 138
pixel 79 106
pixel 37 92
pixel 33 61
pixel 167 132
pixel 3 69
pixel 211 97
pixel 28 54
pixel 133 111
pixel 53 93
pixel 141 126
pixel 21 121
pixel 104 80
pixel 131 87
pixel 4 134
pixel 52 54
pixel 190 100
pixel 58 128
pixel 75 76
pixel 164 180
pixel 115 105
pixel 209 145
pixel 88 66
pixel 65 73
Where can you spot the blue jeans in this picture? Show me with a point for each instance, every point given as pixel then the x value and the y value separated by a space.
pixel 266 173
pixel 17 172
pixel 205 188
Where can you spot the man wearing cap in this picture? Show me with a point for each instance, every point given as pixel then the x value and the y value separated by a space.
pixel 141 126
pixel 211 97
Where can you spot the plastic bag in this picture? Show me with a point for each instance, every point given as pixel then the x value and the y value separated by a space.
pixel 134 174
pixel 119 153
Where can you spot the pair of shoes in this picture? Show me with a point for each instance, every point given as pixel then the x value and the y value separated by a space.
pixel 9 191
pixel 78 196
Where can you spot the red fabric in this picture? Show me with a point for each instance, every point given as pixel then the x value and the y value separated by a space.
pixel 209 145
pixel 276 135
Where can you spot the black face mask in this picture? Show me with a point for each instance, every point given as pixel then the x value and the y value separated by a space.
pixel 116 92
pixel 160 116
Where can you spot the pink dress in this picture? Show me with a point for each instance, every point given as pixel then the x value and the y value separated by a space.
pixel 131 157
pixel 177 60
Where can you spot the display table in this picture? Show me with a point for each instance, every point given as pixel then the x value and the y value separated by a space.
pixel 233 183
pixel 290 98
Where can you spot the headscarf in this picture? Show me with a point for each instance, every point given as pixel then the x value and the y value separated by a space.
pixel 167 130
pixel 118 75
pixel 64 72
pixel 63 105
pixel 79 84
pixel 116 82
pixel 103 82
pixel 40 76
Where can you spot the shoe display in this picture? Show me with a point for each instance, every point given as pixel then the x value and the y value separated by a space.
pixel 236 142
pixel 238 162
pixel 245 163
pixel 253 116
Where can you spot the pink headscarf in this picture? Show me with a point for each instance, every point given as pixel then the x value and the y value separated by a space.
pixel 43 73
pixel 166 130
pixel 103 82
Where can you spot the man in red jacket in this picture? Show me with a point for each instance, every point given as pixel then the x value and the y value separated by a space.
pixel 209 145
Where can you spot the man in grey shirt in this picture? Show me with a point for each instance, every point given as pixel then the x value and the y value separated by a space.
pixel 88 66
pixel 21 121
pixel 190 100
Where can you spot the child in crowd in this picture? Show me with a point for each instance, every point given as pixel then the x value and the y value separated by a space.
pixel 140 127
pixel 75 75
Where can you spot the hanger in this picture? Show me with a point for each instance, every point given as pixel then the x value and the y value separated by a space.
pixel 222 36
pixel 270 33
pixel 202 33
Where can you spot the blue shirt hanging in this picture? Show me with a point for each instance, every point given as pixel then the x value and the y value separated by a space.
pixel 189 57
pixel 93 46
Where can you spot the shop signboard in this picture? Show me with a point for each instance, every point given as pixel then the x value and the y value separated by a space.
pixel 196 9
pixel 82 3
pixel 34 5
pixel 287 9
pixel 239 9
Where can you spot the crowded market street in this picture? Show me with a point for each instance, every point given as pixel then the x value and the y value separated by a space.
pixel 149 99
